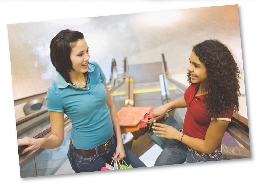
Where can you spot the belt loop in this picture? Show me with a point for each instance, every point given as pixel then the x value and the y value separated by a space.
pixel 97 151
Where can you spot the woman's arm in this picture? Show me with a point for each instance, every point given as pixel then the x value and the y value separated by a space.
pixel 52 141
pixel 214 135
pixel 120 153
pixel 161 110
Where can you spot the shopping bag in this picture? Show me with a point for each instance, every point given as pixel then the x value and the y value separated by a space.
pixel 123 165
pixel 105 169
pixel 131 119
pixel 115 165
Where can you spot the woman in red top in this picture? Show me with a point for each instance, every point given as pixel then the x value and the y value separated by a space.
pixel 211 99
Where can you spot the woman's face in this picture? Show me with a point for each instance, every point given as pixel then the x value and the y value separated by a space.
pixel 80 56
pixel 196 69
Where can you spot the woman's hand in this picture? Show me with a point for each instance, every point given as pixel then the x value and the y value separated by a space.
pixel 32 144
pixel 165 131
pixel 159 112
pixel 119 153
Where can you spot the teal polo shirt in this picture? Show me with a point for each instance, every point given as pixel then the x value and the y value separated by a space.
pixel 86 108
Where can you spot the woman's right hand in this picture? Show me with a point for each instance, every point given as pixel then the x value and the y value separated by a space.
pixel 32 144
pixel 159 112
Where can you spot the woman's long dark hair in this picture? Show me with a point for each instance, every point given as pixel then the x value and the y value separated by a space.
pixel 60 50
pixel 222 84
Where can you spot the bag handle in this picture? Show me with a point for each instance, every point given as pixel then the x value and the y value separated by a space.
pixel 123 162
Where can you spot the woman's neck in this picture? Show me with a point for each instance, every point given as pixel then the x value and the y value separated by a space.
pixel 201 89
pixel 78 79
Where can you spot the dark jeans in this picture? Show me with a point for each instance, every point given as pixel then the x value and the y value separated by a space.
pixel 177 153
pixel 96 162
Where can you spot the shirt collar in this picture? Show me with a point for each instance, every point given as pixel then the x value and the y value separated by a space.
pixel 60 81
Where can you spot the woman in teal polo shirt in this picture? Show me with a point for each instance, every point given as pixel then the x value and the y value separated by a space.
pixel 80 92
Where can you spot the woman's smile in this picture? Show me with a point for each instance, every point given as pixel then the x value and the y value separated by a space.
pixel 192 77
pixel 85 66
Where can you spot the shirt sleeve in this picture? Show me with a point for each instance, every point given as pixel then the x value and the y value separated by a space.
pixel 225 117
pixel 53 102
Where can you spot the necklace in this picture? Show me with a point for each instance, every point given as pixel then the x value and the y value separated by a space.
pixel 85 81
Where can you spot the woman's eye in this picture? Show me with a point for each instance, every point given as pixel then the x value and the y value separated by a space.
pixel 196 66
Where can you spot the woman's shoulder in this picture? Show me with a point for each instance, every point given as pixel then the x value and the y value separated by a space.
pixel 53 88
pixel 191 90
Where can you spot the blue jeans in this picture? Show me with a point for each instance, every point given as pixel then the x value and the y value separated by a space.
pixel 96 162
pixel 177 153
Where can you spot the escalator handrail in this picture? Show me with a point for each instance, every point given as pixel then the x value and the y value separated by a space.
pixel 29 98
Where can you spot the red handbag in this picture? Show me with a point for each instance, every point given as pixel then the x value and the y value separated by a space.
pixel 131 119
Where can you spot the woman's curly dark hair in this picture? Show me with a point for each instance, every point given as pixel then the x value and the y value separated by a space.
pixel 223 75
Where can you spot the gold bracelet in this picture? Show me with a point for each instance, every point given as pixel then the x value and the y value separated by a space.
pixel 181 137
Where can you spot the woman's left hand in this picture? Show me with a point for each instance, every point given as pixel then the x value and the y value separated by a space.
pixel 165 131
pixel 119 153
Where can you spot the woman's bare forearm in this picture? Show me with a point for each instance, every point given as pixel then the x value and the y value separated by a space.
pixel 179 103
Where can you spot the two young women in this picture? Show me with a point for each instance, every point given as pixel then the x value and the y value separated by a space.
pixel 80 92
